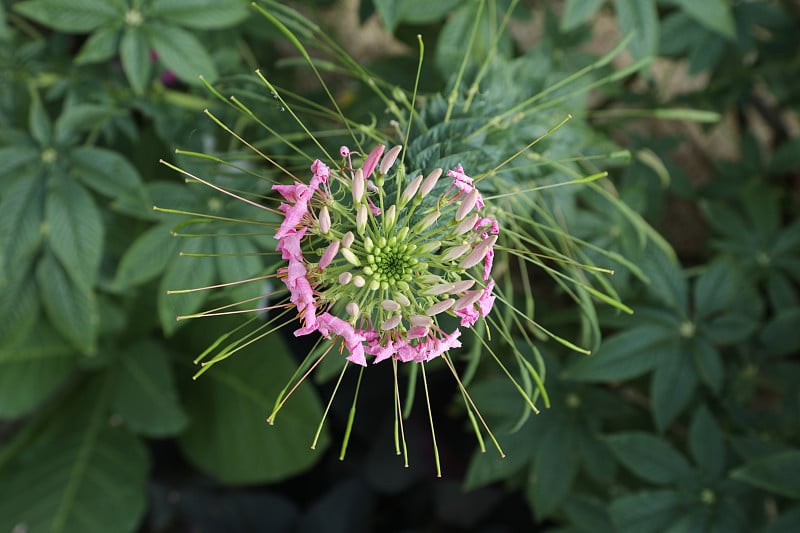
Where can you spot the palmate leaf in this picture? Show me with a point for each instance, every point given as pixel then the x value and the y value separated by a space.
pixel 181 52
pixel 200 14
pixel 30 370
pixel 72 15
pixel 228 436
pixel 640 18
pixel 650 457
pixel 778 473
pixel 79 475
pixel 134 52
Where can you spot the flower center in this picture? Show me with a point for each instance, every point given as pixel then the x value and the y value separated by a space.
pixel 390 262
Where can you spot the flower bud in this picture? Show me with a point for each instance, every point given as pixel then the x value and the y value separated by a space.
pixel 391 323
pixel 402 299
pixel 455 252
pixel 430 182
pixel 435 290
pixel 351 258
pixel 480 251
pixel 410 191
pixel 421 320
pixel 426 222
pixel 468 299
pixel 461 286
pixel 345 277
pixel 358 281
pixel 390 217
pixel 390 305
pixel 466 224
pixel 358 186
pixel 428 247
pixel 347 239
pixel 352 309
pixel 368 244
pixel 361 219
pixel 467 204
pixel 329 254
pixel 439 307
pixel 402 234
pixel 390 158
pixel 324 220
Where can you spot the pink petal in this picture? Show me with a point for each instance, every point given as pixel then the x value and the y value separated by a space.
pixel 372 160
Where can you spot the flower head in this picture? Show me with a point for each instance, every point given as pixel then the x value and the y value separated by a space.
pixel 382 260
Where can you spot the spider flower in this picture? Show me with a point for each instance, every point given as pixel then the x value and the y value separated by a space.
pixel 377 260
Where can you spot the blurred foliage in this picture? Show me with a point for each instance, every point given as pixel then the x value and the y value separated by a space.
pixel 687 415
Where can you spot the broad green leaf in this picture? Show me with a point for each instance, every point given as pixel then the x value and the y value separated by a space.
pixel 21 218
pixel 554 469
pixel 716 15
pixel 134 52
pixel 781 335
pixel 674 381
pixel 787 522
pixel 201 14
pixel 487 467
pixel 649 457
pixel 596 457
pixel 715 289
pixel 14 157
pixel 101 46
pixel 39 124
pixel 706 443
pixel 19 307
pixel 647 511
pixel 228 436
pixel 707 362
pixel 75 229
pixel 695 518
pixel 144 391
pixel 181 52
pixel 110 174
pixel 640 18
pixel 80 475
pixel 147 257
pixel 778 473
pixel 77 16
pixel 576 12
pixel 72 309
pixel 731 328
pixel 78 118
pixel 394 12
pixel 32 369
pixel 185 272
pixel 625 355
pixel 587 513
pixel 666 280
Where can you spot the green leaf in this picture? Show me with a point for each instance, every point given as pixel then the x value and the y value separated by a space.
pixel 144 391
pixel 786 157
pixel 640 18
pixel 79 475
pixel 649 457
pixel 554 470
pixel 787 522
pixel 646 511
pixel 781 336
pixel 101 46
pixel 110 174
pixel 14 157
pixel 576 12
pixel 778 473
pixel 39 124
pixel 708 363
pixel 78 118
pixel 716 288
pixel 147 257
pixel 666 280
pixel 75 229
pixel 21 218
pixel 716 15
pixel 200 14
pixel 674 381
pixel 587 513
pixel 706 443
pixel 393 12
pixel 71 308
pixel 596 457
pixel 185 273
pixel 625 355
pixel 77 16
pixel 19 307
pixel 32 369
pixel 134 52
pixel 228 436
pixel 519 447
pixel 181 52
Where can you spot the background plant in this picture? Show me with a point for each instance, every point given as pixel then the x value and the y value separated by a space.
pixel 685 417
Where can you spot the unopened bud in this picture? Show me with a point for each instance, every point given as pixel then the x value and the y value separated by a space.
pixel 390 217
pixel 329 254
pixel 361 219
pixel 421 320
pixel 402 299
pixel 430 182
pixel 324 220
pixel 439 307
pixel 428 247
pixel 466 224
pixel 455 252
pixel 467 204
pixel 347 239
pixel 345 277
pixel 389 159
pixel 351 258
pixel 352 309
pixel 390 305
pixel 480 251
pixel 402 234
pixel 461 286
pixel 358 281
pixel 358 186
pixel 368 244
pixel 411 190
pixel 468 299
pixel 442 288
pixel 428 221
pixel 391 323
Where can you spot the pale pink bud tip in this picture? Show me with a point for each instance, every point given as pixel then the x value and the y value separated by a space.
pixel 390 305
pixel 441 288
pixel 439 307
pixel 461 286
pixel 467 224
pixel 351 258
pixel 455 252
pixel 358 186
pixel 430 182
pixel 372 160
pixel 345 277
pixel 347 239
pixel 467 204
pixel 361 219
pixel 329 254
pixel 324 220
pixel 402 299
pixel 390 158
pixel 344 151
pixel 421 321
pixel 352 309
pixel 391 323
pixel 411 190
pixel 468 299
pixel 477 255
pixel 358 281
